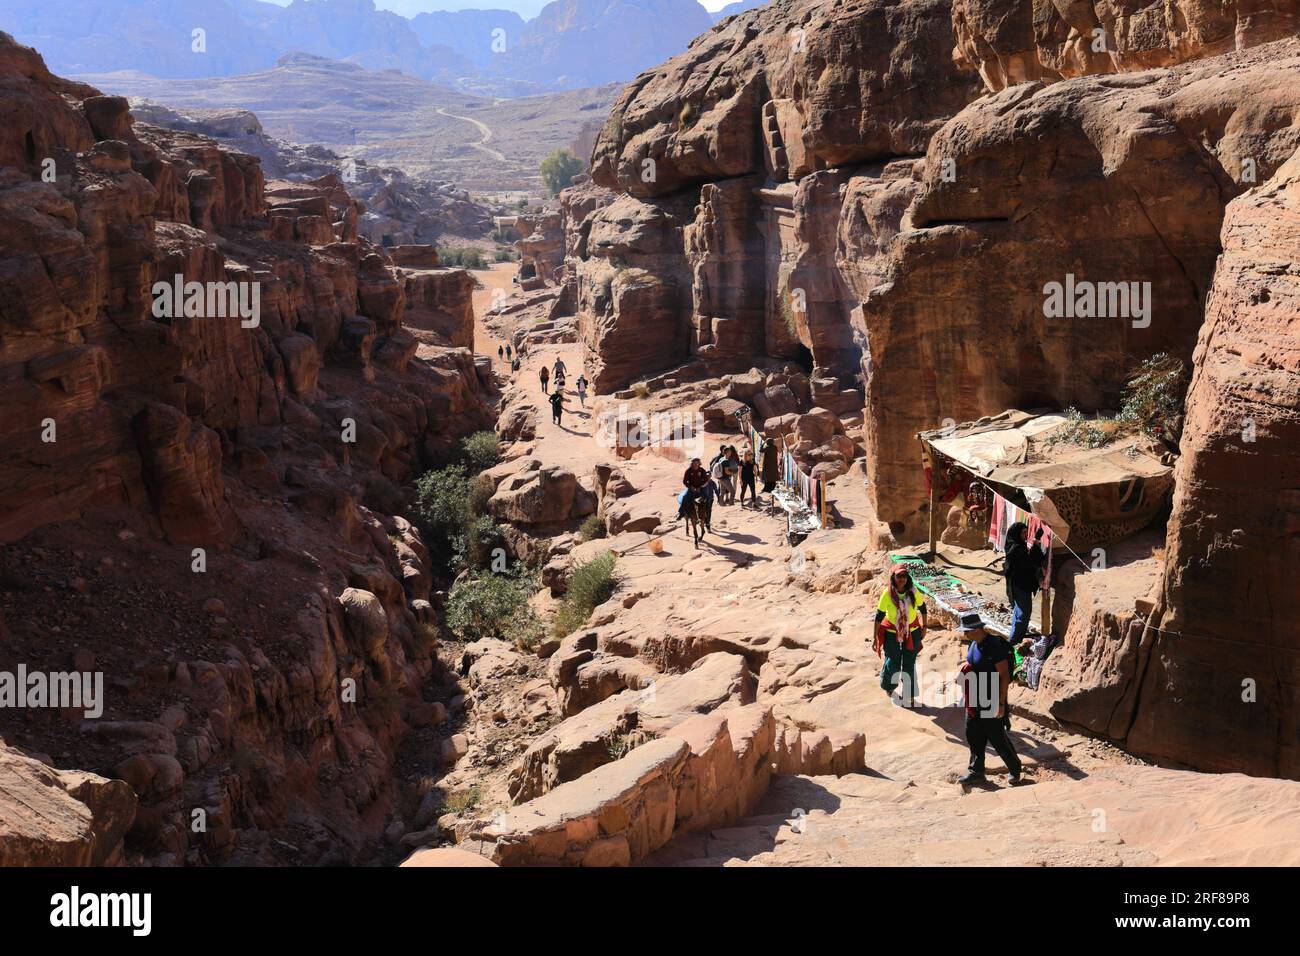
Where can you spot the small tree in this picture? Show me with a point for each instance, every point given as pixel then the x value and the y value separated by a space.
pixel 481 450
pixel 558 170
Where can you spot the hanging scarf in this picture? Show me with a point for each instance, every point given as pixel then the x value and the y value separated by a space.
pixel 904 601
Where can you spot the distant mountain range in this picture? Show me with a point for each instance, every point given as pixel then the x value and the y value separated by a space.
pixel 571 44
pixel 739 6
pixel 389 118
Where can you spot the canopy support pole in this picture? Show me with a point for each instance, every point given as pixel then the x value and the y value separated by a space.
pixel 934 522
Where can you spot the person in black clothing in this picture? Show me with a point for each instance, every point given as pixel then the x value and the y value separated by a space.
pixel 748 473
pixel 1023 571
pixel 507 350
pixel 557 405
pixel 544 374
pixel 986 678
pixel 501 353
pixel 770 470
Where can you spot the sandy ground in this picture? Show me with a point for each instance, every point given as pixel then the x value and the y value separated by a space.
pixel 746 589
pixel 499 276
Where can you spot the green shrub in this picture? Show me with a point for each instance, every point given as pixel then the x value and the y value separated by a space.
pixel 1154 395
pixel 789 318
pixel 474 546
pixel 1081 430
pixel 1152 403
pixel 467 257
pixel 620 745
pixel 481 491
pixel 440 512
pixel 492 605
pixel 591 528
pixel 590 586
pixel 481 450
pixel 462 801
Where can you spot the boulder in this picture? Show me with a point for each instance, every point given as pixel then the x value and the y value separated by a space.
pixel 548 495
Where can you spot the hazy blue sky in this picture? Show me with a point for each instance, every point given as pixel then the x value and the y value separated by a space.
pixel 525 8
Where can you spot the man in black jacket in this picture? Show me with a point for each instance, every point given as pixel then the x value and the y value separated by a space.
pixel 986 677
pixel 1023 571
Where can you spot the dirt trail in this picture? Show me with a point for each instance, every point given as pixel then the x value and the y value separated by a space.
pixel 799 614
pixel 483 128
pixel 496 279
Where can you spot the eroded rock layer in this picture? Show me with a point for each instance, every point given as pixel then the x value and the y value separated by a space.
pixel 887 193
pixel 202 496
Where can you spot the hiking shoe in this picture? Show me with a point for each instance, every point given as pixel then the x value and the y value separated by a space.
pixel 1014 780
pixel 971 778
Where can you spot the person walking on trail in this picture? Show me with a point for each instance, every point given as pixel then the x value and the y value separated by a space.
pixel 720 457
pixel 748 472
pixel 581 385
pixel 501 353
pixel 731 465
pixel 507 350
pixel 544 374
pixel 698 484
pixel 559 379
pixel 769 466
pixel 718 471
pixel 986 679
pixel 559 367
pixel 1023 571
pixel 557 405
pixel 900 629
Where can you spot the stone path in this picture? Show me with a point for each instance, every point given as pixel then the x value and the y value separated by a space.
pixel 801 618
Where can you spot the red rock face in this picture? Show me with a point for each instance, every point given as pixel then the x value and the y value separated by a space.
pixel 1233 555
pixel 634 290
pixel 746 127
pixel 139 432
pixel 1013 41
pixel 1106 179
pixel 905 231
pixel 790 88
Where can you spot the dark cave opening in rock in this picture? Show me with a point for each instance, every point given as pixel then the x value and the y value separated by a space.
pixel 804 358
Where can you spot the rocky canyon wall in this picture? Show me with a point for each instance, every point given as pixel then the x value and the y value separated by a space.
pixel 1209 677
pixel 884 191
pixel 203 506
pixel 1014 41
pixel 728 149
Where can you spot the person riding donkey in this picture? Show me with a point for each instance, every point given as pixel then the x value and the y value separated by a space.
pixel 698 485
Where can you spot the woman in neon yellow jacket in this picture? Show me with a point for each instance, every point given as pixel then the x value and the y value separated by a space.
pixel 900 601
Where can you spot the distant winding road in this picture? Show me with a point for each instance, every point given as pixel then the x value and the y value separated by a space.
pixel 486 130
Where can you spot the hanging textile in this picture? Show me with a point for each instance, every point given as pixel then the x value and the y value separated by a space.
pixel 997 515
pixel 1004 514
pixel 1036 523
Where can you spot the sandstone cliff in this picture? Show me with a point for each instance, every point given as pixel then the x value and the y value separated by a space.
pixel 159 461
pixel 893 229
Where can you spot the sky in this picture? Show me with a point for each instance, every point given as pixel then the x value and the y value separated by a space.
pixel 525 8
